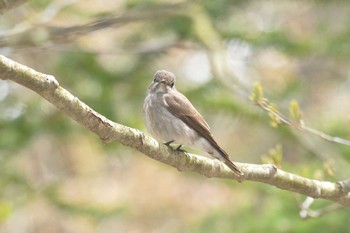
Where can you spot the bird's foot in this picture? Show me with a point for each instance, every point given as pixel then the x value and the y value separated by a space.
pixel 179 149
pixel 168 144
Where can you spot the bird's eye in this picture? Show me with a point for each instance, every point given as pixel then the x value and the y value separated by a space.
pixel 172 84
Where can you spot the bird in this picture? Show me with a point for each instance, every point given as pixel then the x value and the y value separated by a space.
pixel 170 117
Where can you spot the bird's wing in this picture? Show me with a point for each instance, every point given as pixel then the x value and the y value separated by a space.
pixel 181 107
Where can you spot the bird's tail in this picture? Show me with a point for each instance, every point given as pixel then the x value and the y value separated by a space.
pixel 225 158
pixel 233 167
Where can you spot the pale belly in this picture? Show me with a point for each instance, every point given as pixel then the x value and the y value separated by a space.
pixel 166 127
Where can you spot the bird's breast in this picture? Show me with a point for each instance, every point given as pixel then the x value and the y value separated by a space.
pixel 163 125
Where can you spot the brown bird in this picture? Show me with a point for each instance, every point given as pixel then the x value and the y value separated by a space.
pixel 170 117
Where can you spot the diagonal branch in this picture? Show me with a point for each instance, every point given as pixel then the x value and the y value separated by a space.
pixel 48 87
pixel 6 5
pixel 60 34
pixel 300 125
pixel 209 37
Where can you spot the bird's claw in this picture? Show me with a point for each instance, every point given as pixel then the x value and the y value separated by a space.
pixel 179 149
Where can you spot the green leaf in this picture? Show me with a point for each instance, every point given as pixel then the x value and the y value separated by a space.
pixel 257 95
pixel 5 210
pixel 294 111
pixel 275 120
pixel 274 156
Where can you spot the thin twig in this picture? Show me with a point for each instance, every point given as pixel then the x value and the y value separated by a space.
pixel 306 212
pixel 302 126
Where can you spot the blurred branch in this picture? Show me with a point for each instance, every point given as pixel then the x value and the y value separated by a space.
pixel 6 5
pixel 210 39
pixel 48 87
pixel 26 26
pixel 36 33
pixel 306 212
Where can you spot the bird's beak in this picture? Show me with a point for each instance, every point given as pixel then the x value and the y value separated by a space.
pixel 162 83
pixel 157 86
pixel 161 86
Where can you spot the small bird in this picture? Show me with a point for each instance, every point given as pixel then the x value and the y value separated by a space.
pixel 170 117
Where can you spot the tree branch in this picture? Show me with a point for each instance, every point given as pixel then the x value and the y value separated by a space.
pixel 48 87
pixel 59 34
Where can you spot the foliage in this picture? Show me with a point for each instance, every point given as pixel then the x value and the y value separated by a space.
pixel 56 175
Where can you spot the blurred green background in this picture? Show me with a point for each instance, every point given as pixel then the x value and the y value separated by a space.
pixel 56 176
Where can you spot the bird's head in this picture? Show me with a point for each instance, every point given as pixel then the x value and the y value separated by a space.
pixel 163 81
